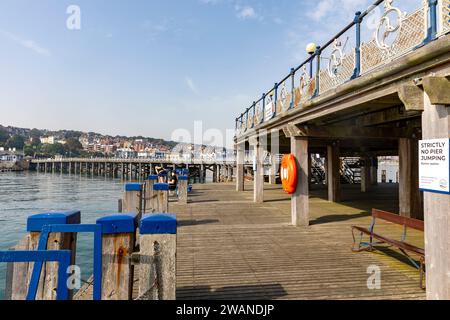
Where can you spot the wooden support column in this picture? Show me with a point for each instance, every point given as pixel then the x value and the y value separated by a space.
pixel 258 175
pixel 48 281
pixel 230 174
pixel 365 174
pixel 183 189
pixel 157 257
pixel 132 199
pixel 410 197
pixel 436 125
pixel 159 203
pixel 333 173
pixel 374 171
pixel 118 240
pixel 149 183
pixel 300 199
pixel 240 153
pixel 273 169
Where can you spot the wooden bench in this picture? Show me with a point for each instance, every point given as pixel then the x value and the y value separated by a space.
pixel 402 245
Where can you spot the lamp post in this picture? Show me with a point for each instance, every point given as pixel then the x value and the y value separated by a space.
pixel 311 49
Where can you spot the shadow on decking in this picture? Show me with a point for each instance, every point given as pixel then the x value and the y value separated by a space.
pixel 248 292
pixel 186 223
pixel 338 218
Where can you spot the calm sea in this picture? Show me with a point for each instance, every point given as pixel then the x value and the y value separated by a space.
pixel 22 194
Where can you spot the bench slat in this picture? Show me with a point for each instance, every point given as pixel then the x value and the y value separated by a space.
pixel 394 218
pixel 398 244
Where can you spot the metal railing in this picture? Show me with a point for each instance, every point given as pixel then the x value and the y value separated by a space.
pixel 352 52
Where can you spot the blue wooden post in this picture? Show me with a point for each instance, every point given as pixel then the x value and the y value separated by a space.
pixel 148 195
pixel 160 200
pixel 132 198
pixel 56 241
pixel 118 241
pixel 357 70
pixel 158 251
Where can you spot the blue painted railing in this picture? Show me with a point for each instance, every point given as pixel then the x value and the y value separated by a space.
pixel 421 25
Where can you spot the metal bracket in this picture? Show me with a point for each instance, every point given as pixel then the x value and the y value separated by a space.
pixel 67 228
pixel 38 257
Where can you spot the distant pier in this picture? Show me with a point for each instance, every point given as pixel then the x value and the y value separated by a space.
pixel 137 168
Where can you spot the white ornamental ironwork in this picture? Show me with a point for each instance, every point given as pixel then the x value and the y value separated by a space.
pixel 269 106
pixel 335 61
pixel 386 28
pixel 444 17
pixel 284 99
pixel 396 34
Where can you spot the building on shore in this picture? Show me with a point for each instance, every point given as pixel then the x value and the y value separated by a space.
pixel 12 160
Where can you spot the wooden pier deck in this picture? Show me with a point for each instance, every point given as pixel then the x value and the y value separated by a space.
pixel 232 248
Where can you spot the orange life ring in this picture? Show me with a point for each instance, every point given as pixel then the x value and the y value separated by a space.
pixel 288 173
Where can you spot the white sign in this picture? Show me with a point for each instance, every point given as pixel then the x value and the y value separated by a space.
pixel 434 165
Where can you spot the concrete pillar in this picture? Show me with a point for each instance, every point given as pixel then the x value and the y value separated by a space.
pixel 258 176
pixel 435 125
pixel 365 174
pixel 240 154
pixel 410 197
pixel 333 173
pixel 300 199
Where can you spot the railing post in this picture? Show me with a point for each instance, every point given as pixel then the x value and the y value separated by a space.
pixel 432 21
pixel 160 199
pixel 183 189
pixel 317 54
pixel 292 88
pixel 253 113
pixel 118 240
pixel 357 70
pixel 275 98
pixel 48 281
pixel 263 108
pixel 158 251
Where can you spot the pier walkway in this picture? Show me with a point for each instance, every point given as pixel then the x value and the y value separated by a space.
pixel 232 248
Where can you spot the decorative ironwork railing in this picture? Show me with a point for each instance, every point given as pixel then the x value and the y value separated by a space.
pixel 379 35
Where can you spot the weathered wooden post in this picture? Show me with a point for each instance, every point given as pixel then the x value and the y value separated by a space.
pixel 132 198
pixel 159 202
pixel 240 150
pixel 118 240
pixel 157 267
pixel 149 183
pixel 183 189
pixel 21 272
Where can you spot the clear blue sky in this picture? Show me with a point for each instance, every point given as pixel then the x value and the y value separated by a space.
pixel 136 64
